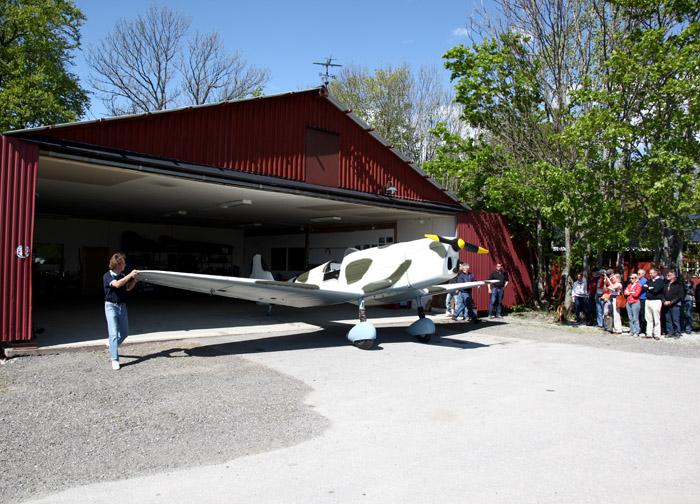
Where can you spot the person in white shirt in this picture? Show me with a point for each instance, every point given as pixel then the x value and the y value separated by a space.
pixel 581 298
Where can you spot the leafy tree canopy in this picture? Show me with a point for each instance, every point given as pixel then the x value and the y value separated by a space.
pixel 37 38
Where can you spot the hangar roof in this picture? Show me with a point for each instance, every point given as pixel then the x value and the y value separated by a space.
pixel 259 141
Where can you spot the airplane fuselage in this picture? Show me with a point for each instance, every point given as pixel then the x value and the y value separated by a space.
pixel 392 272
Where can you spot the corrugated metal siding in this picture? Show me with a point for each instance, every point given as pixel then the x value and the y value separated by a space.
pixel 491 231
pixel 263 136
pixel 18 165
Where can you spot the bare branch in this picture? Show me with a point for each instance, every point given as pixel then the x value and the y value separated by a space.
pixel 133 67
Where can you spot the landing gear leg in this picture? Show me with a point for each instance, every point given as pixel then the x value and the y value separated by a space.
pixel 423 328
pixel 363 335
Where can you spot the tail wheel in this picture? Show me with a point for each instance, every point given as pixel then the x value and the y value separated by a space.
pixel 424 338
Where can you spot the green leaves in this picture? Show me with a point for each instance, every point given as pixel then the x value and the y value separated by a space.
pixel 616 161
pixel 495 80
pixel 37 38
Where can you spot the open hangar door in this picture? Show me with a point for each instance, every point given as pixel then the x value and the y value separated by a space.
pixel 86 210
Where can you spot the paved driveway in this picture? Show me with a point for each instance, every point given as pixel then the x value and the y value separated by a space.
pixel 507 412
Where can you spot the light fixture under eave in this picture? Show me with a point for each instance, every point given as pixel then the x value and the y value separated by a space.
pixel 230 204
pixel 330 218
pixel 390 189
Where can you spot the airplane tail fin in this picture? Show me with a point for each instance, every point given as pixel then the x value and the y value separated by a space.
pixel 259 270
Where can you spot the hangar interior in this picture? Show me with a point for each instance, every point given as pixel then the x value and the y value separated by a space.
pixel 87 210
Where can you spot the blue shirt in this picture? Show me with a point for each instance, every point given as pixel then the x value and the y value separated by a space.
pixel 643 282
pixel 465 277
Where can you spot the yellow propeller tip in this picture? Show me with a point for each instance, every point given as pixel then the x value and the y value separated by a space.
pixel 482 250
pixel 461 243
pixel 433 237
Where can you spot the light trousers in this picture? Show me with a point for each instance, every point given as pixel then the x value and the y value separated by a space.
pixel 617 321
pixel 652 315
pixel 117 326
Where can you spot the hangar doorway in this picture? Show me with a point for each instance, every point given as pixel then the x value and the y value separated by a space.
pixel 86 209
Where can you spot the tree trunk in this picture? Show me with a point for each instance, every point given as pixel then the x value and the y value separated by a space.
pixel 620 263
pixel 666 244
pixel 587 262
pixel 533 263
pixel 599 259
pixel 540 279
pixel 566 273
pixel 679 252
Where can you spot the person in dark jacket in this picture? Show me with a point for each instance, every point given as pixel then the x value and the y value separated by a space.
pixel 673 297
pixel 697 298
pixel 465 302
pixel 496 291
pixel 687 305
pixel 655 296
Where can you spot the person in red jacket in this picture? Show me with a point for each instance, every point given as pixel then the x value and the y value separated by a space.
pixel 632 292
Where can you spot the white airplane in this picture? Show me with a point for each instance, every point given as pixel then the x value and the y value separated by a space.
pixel 385 274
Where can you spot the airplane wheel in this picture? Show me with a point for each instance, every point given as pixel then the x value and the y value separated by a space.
pixel 366 344
pixel 424 338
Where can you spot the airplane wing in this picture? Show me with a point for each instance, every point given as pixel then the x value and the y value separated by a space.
pixel 298 295
pixel 452 287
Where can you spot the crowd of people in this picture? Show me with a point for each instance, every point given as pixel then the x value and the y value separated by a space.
pixel 657 305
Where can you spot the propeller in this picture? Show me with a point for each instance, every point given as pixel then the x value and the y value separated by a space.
pixel 457 244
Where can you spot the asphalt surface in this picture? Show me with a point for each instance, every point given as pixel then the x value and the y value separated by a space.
pixel 509 410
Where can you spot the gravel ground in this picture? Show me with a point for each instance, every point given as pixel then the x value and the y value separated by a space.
pixel 68 419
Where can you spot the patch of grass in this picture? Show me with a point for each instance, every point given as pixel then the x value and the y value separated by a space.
pixel 519 309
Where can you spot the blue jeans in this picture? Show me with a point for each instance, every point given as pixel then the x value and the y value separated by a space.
pixel 448 302
pixel 687 316
pixel 581 305
pixel 633 314
pixel 496 301
pixel 673 319
pixel 464 306
pixel 117 326
pixel 599 311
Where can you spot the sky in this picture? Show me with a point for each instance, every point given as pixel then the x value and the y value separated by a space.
pixel 286 37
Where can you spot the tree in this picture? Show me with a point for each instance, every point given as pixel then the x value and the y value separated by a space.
pixel 37 39
pixel 498 86
pixel 149 63
pixel 210 74
pixel 588 110
pixel 400 105
pixel 646 117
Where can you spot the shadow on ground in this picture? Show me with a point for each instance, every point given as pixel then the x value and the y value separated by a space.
pixel 333 335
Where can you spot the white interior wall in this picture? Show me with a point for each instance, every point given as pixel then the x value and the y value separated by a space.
pixel 76 233
pixel 412 229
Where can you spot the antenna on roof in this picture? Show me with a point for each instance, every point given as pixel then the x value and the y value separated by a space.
pixel 326 76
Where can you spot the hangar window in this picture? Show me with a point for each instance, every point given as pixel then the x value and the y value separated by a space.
pixel 322 157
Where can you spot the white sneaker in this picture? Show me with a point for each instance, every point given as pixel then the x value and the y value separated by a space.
pixel 115 364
